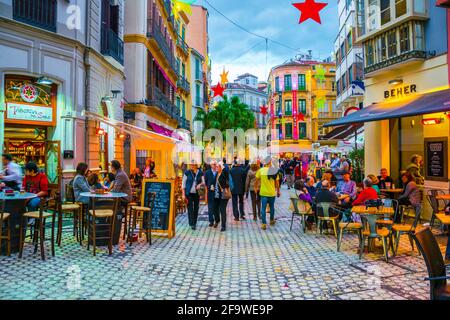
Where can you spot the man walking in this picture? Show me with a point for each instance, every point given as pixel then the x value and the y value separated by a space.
pixel 13 173
pixel 193 180
pixel 210 182
pixel 238 176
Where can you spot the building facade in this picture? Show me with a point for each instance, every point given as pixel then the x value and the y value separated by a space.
pixel 406 70
pixel 247 88
pixel 53 67
pixel 302 98
pixel 349 60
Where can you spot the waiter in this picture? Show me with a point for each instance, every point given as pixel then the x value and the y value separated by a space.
pixel 13 173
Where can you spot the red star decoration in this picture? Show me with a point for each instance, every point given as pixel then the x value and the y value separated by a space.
pixel 310 10
pixel 218 90
pixel 263 110
pixel 301 117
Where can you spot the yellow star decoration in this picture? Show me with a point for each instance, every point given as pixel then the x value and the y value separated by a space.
pixel 224 77
pixel 182 5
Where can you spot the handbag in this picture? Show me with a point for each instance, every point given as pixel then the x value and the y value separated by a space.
pixel 226 193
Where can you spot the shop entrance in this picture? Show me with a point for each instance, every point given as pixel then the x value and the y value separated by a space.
pixel 28 144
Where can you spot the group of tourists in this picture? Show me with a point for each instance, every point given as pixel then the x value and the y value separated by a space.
pixel 234 182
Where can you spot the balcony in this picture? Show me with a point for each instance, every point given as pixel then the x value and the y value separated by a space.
pixel 154 32
pixel 412 55
pixel 168 7
pixel 185 124
pixel 183 45
pixel 38 13
pixel 163 103
pixel 183 84
pixel 329 115
pixel 111 45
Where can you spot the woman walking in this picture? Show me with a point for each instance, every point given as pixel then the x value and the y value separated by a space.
pixel 254 193
pixel 222 194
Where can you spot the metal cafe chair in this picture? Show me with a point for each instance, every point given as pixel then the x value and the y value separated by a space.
pixel 434 203
pixel 5 225
pixel 323 214
pixel 300 208
pixel 398 229
pixel 437 273
pixel 38 235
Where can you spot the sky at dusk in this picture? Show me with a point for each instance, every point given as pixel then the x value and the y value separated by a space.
pixel 275 19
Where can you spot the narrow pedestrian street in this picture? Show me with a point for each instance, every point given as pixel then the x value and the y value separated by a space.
pixel 242 263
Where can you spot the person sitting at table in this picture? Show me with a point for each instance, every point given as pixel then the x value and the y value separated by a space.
pixel 12 177
pixel 368 193
pixel 122 183
pixel 325 195
pixel 347 190
pixel 375 182
pixel 310 186
pixel 80 183
pixel 326 177
pixel 411 193
pixel 136 178
pixel 108 183
pixel 35 182
pixel 94 181
pixel 384 180
pixel 302 191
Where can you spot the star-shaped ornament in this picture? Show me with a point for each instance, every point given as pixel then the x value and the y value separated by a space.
pixel 218 90
pixel 310 10
pixel 183 5
pixel 224 77
pixel 263 110
pixel 301 117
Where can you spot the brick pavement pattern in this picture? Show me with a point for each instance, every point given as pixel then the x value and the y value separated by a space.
pixel 244 262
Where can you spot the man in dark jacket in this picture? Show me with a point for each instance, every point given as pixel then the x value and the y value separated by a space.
pixel 210 182
pixel 193 180
pixel 238 175
pixel 325 195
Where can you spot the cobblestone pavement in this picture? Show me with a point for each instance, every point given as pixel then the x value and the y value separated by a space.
pixel 244 262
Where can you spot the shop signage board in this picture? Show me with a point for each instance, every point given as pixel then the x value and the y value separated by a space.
pixel 400 92
pixel 23 113
pixel 436 162
pixel 163 215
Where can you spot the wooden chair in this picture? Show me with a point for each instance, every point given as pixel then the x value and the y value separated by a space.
pixel 38 235
pixel 107 212
pixel 398 229
pixel 128 212
pixel 4 220
pixel 437 273
pixel 434 204
pixel 303 209
pixel 141 218
pixel 70 209
pixel 323 214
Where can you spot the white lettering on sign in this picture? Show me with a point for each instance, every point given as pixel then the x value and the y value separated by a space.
pixel 435 147
pixel 29 112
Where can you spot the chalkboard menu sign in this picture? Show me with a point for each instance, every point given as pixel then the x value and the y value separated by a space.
pixel 163 208
pixel 436 163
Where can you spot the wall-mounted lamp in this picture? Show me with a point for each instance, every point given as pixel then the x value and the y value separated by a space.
pixel 115 93
pixel 121 135
pixel 44 81
pixel 100 131
pixel 396 81
pixel 431 121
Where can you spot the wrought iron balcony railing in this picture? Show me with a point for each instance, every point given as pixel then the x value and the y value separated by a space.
pixel 183 84
pixel 416 54
pixel 111 44
pixel 183 45
pixel 154 32
pixel 184 123
pixel 38 13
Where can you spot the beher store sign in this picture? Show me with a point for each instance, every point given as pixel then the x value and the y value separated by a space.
pixel 29 114
pixel 400 92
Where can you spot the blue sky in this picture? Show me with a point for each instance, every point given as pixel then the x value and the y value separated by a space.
pixel 275 19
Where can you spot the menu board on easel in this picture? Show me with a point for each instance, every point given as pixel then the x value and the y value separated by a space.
pixel 436 163
pixel 163 214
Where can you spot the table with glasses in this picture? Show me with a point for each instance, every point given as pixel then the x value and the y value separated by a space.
pixel 15 205
pixel 94 197
pixel 445 220
pixel 393 193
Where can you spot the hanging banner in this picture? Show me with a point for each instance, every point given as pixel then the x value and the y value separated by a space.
pixel 295 113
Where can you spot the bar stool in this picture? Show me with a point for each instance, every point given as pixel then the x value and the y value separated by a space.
pixel 4 219
pixel 128 213
pixel 39 228
pixel 109 215
pixel 139 215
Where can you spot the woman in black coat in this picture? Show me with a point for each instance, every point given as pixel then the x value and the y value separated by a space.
pixel 222 188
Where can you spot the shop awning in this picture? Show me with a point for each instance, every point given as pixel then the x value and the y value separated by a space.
pixel 433 102
pixel 343 132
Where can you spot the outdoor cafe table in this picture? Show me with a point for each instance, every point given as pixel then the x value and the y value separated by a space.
pixel 372 214
pixel 393 193
pixel 445 219
pixel 109 195
pixel 15 205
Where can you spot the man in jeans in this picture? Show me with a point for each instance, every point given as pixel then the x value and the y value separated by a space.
pixel 269 182
pixel 35 182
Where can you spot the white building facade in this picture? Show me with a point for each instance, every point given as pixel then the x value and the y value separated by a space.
pixel 54 66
